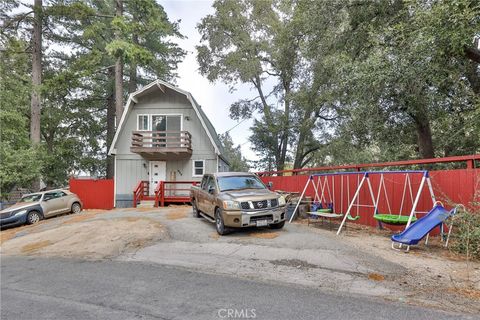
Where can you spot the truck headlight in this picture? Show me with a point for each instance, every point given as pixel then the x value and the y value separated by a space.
pixel 281 201
pixel 18 213
pixel 229 205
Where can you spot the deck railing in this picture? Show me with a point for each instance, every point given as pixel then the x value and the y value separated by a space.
pixel 173 191
pixel 162 139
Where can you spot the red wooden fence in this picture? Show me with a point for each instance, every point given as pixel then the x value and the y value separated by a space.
pixel 95 194
pixel 450 187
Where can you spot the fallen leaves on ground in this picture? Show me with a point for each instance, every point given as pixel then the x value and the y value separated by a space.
pixel 214 235
pixel 263 235
pixel 176 215
pixel 32 247
pixel 376 277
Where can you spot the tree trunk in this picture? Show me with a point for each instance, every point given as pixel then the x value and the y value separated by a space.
pixel 424 138
pixel 110 126
pixel 36 105
pixel 473 76
pixel 132 81
pixel 285 129
pixel 118 70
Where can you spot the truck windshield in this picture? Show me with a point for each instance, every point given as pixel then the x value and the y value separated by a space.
pixel 239 182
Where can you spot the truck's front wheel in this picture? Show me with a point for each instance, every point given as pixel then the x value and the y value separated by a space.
pixel 220 226
pixel 196 213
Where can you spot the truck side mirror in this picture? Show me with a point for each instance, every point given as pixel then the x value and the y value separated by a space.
pixel 211 189
pixel 270 185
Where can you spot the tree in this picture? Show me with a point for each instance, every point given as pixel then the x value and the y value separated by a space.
pixel 102 38
pixel 36 72
pixel 397 75
pixel 18 158
pixel 233 154
pixel 77 91
pixel 118 64
pixel 253 42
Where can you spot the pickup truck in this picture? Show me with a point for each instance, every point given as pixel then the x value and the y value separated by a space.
pixel 237 200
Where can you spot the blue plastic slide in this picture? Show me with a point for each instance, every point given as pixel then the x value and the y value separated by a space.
pixel 420 228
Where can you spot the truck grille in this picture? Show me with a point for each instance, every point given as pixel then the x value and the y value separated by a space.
pixel 245 205
pixel 262 204
pixel 267 217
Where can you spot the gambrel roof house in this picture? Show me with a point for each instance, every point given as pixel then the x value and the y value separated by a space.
pixel 163 135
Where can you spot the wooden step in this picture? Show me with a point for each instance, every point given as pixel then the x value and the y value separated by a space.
pixel 146 204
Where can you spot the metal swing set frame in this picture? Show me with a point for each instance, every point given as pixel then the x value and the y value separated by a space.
pixel 316 181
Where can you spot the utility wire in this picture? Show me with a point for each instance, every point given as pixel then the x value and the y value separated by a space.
pixel 235 125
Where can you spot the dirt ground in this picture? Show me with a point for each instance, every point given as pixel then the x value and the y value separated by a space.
pixel 86 235
pixel 360 261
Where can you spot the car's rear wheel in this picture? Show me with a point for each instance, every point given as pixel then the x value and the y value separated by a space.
pixel 196 212
pixel 277 225
pixel 33 217
pixel 219 224
pixel 76 207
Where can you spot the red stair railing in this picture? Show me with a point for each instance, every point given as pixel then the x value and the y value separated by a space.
pixel 140 192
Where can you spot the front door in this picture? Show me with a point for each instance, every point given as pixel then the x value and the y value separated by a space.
pixel 157 173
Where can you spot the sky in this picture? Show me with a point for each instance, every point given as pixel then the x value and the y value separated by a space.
pixel 214 98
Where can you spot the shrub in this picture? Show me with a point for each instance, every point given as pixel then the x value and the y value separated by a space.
pixel 466 234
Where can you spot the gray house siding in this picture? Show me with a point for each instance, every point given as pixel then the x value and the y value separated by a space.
pixel 132 168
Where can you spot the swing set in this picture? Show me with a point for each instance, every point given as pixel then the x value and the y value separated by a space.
pixel 328 202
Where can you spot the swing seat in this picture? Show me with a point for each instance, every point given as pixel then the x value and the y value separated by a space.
pixel 326 210
pixel 393 219
pixel 349 217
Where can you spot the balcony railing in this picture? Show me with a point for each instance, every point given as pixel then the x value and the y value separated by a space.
pixel 162 145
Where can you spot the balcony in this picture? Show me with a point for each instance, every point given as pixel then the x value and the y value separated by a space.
pixel 162 145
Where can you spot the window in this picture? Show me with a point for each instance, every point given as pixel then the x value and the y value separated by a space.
pixel 53 195
pixel 211 184
pixel 206 180
pixel 31 198
pixel 142 124
pixel 198 168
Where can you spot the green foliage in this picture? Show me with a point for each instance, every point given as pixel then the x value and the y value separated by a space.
pixel 80 49
pixel 403 86
pixel 233 154
pixel 18 160
pixel 466 234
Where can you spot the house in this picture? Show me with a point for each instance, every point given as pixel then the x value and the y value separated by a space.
pixel 163 135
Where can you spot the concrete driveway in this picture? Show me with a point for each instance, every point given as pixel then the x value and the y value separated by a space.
pixel 356 263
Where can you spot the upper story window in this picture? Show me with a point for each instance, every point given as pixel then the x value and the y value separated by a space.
pixel 198 168
pixel 158 122
pixel 142 124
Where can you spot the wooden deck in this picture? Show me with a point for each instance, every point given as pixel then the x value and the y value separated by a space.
pixel 162 145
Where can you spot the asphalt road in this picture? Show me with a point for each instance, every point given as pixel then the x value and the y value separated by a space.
pixel 53 288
